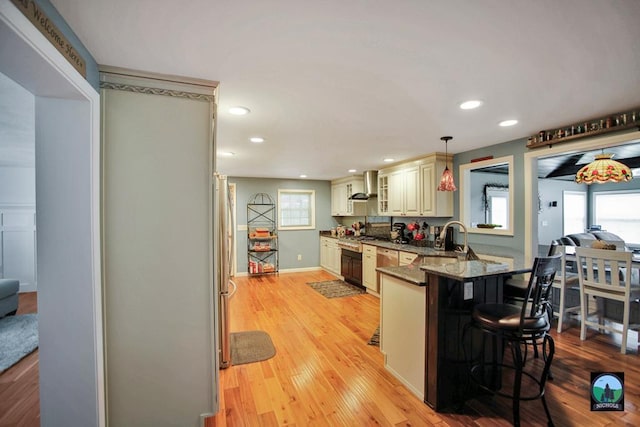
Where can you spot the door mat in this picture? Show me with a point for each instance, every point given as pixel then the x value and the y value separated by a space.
pixel 375 338
pixel 251 346
pixel 18 338
pixel 336 288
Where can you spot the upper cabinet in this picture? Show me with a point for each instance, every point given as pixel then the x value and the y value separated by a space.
pixel 403 191
pixel 341 190
pixel 434 203
pixel 411 189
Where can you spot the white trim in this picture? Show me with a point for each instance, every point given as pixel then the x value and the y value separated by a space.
pixel 531 178
pixel 312 209
pixel 465 196
pixel 20 25
pixel 286 271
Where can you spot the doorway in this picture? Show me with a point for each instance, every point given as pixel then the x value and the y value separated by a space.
pixel 67 143
pixel 531 209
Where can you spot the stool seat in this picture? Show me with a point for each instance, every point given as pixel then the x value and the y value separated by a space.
pixel 507 317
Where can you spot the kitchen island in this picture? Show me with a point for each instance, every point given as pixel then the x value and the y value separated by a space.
pixel 424 307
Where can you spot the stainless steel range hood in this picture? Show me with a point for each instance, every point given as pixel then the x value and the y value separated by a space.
pixel 370 187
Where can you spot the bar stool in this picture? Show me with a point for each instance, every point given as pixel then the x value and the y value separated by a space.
pixel 515 326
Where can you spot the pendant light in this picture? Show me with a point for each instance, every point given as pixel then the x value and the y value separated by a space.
pixel 446 181
pixel 602 170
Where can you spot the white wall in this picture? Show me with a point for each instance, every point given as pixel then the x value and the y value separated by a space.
pixel 550 217
pixel 17 184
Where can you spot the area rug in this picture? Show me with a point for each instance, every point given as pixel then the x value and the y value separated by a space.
pixel 251 346
pixel 18 338
pixel 336 288
pixel 375 338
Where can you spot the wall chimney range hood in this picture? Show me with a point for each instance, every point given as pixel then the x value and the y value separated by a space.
pixel 370 187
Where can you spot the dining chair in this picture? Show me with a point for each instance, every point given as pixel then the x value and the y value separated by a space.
pixel 600 276
pixel 564 281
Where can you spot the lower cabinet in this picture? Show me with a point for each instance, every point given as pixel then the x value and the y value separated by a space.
pixel 330 255
pixel 369 273
pixel 406 258
pixel 403 312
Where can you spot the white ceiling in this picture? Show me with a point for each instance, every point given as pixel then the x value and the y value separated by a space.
pixel 334 85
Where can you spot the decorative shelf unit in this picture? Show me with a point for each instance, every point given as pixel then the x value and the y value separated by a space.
pixel 262 237
pixel 629 119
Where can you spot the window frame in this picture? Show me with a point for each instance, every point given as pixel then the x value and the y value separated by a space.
pixel 311 210
pixel 620 193
pixel 585 197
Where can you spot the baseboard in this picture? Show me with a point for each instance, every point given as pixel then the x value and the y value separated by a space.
pixel 28 287
pixel 285 271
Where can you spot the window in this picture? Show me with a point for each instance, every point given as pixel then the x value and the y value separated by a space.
pixel 498 206
pixel 617 212
pixel 574 212
pixel 296 209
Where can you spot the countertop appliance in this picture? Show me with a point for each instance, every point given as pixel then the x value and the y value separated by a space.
pixel 398 232
pixel 223 249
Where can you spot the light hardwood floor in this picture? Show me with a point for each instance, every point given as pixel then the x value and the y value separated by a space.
pixel 324 373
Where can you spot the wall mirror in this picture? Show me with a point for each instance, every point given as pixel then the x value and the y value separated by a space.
pixel 486 196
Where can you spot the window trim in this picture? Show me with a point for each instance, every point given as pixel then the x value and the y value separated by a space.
pixel 312 209
pixel 594 196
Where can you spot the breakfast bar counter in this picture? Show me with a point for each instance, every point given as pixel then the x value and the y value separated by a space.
pixel 424 308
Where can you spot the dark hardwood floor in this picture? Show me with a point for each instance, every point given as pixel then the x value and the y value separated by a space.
pixel 19 386
pixel 324 373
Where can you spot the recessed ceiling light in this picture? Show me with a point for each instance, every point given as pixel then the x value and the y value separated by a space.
pixel 239 111
pixel 506 123
pixel 352 171
pixel 226 153
pixel 256 139
pixel 389 160
pixel 303 176
pixel 470 105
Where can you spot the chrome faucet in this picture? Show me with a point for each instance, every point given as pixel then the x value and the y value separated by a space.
pixel 443 235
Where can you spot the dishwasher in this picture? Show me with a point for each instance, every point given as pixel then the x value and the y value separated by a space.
pixel 387 258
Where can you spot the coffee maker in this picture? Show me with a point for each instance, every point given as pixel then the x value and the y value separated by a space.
pixel 446 244
pixel 397 232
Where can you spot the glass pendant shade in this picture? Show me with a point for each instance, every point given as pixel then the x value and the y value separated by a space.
pixel 446 181
pixel 603 169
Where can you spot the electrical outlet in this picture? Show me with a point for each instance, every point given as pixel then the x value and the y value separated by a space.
pixel 299 257
pixel 468 290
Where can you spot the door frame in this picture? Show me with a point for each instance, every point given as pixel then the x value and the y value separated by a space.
pixel 71 356
pixel 531 178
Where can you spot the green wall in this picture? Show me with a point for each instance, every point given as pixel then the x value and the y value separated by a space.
pixel 517 148
pixel 293 242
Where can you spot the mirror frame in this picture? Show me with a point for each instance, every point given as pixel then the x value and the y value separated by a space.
pixel 465 195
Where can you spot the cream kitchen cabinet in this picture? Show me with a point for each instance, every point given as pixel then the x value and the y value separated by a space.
pixel 330 255
pixel 369 273
pixel 411 189
pixel 406 258
pixel 403 192
pixel 434 203
pixel 383 194
pixel 403 314
pixel 341 190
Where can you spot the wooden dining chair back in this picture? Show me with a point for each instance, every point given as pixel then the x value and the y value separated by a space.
pixel 600 277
